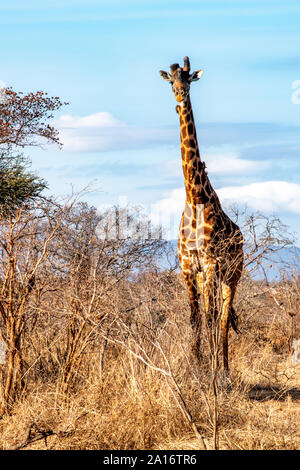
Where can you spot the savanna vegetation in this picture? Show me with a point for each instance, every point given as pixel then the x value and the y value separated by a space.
pixel 95 337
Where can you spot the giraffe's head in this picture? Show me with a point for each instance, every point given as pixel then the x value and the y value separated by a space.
pixel 180 79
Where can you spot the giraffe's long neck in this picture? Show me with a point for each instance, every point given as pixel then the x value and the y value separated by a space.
pixel 197 184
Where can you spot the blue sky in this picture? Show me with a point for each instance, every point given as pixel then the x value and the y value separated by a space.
pixel 120 130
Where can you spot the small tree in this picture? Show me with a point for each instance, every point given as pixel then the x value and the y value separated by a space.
pixel 24 121
pixel 24 118
pixel 26 228
pixel 18 186
pixel 24 242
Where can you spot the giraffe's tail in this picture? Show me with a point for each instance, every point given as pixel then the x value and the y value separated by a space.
pixel 234 321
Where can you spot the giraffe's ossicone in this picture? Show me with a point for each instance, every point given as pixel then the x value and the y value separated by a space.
pixel 210 244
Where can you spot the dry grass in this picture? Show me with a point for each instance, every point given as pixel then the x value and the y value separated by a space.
pixel 138 387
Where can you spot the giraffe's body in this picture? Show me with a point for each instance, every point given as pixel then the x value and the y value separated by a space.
pixel 210 245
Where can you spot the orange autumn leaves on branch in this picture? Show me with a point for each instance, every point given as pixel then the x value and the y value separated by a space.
pixel 24 118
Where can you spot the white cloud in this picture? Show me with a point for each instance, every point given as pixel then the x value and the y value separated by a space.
pixel 173 204
pixel 269 196
pixel 167 212
pixel 102 131
pixel 231 164
pixel 102 119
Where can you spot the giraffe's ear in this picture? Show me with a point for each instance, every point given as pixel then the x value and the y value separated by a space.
pixel 165 75
pixel 196 75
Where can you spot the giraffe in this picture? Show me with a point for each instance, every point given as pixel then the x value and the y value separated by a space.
pixel 210 244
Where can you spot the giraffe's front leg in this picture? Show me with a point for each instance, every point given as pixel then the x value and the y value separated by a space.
pixel 200 282
pixel 195 318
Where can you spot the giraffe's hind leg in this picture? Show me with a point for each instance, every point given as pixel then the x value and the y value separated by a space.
pixel 228 286
pixel 227 311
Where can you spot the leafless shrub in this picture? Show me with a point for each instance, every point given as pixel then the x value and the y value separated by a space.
pixel 25 238
pixel 105 350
